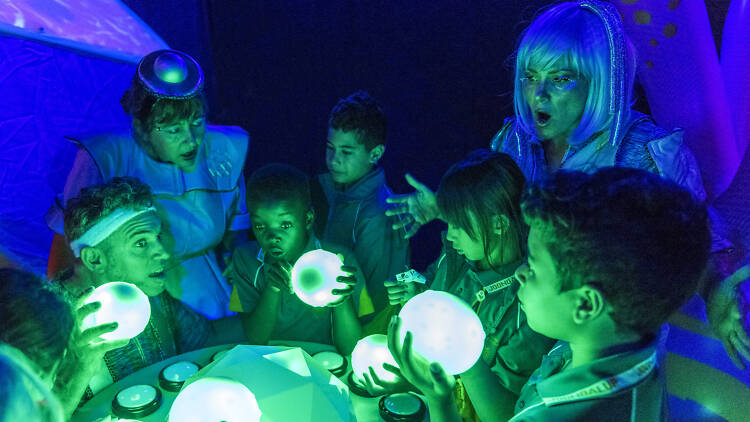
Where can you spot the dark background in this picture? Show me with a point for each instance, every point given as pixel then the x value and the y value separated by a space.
pixel 441 69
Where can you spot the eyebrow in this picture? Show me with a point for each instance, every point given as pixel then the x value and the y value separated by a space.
pixel 563 70
pixel 141 232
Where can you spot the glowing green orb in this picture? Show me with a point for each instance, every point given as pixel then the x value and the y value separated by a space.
pixel 123 303
pixel 445 330
pixel 372 351
pixel 314 277
pixel 170 68
pixel 212 399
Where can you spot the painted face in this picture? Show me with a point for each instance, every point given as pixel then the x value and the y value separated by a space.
pixel 548 311
pixel 134 254
pixel 178 142
pixel 463 244
pixel 556 96
pixel 347 158
pixel 282 229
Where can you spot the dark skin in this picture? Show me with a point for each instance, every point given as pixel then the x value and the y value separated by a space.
pixel 260 323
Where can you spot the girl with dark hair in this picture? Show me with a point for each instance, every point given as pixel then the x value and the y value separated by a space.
pixel 479 197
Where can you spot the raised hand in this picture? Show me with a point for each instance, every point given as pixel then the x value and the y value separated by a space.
pixel 414 209
pixel 399 292
pixel 726 310
pixel 279 277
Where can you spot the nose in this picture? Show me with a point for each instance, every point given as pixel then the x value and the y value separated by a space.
pixel 272 236
pixel 190 138
pixel 450 235
pixel 541 90
pixel 160 253
pixel 520 273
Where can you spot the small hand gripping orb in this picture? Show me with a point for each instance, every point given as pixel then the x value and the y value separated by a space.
pixel 314 277
pixel 372 351
pixel 444 330
pixel 215 399
pixel 123 303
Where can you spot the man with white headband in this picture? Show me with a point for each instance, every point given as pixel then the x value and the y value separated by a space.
pixel 115 234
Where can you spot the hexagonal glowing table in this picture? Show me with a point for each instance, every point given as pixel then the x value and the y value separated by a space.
pixel 445 330
pixel 314 277
pixel 286 383
pixel 123 303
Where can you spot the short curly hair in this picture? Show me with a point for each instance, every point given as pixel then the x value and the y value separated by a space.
pixel 278 182
pixel 36 318
pixel 640 239
pixel 361 114
pixel 98 201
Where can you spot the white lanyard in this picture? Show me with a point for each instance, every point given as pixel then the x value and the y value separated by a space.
pixel 609 385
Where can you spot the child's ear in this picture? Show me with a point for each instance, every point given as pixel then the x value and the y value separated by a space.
pixel 500 224
pixel 93 259
pixel 589 304
pixel 309 218
pixel 376 152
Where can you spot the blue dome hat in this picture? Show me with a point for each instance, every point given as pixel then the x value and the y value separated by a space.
pixel 170 74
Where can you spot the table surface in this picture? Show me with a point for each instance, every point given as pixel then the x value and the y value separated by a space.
pixel 100 406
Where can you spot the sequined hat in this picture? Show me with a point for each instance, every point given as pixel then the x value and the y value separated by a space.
pixel 170 74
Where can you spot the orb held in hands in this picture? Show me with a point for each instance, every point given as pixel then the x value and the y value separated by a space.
pixel 123 303
pixel 314 277
pixel 444 329
pixel 372 351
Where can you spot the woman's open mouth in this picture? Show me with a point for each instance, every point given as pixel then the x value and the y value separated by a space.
pixel 541 118
pixel 190 156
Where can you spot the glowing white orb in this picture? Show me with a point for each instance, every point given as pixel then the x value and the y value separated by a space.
pixel 212 399
pixel 373 351
pixel 314 277
pixel 123 303
pixel 444 329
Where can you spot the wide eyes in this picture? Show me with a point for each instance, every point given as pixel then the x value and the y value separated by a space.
pixel 284 225
pixel 560 82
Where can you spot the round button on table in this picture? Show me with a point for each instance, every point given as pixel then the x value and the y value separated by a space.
pixel 173 376
pixel 332 361
pixel 402 407
pixel 136 401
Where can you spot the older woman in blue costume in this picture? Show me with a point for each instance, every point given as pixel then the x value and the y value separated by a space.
pixel 194 171
pixel 574 74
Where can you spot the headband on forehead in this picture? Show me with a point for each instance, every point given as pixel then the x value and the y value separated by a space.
pixel 170 74
pixel 615 30
pixel 105 227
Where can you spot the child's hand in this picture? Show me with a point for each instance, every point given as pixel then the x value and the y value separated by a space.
pixel 375 386
pixel 350 280
pixel 430 378
pixel 414 209
pixel 399 292
pixel 280 277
